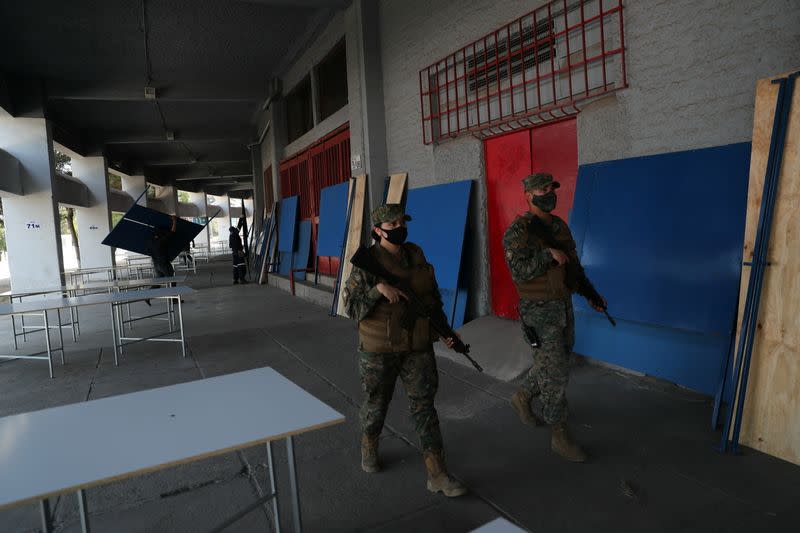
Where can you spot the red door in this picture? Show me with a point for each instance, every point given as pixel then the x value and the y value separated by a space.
pixel 509 158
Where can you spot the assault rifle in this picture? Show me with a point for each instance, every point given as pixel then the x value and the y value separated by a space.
pixel 576 279
pixel 415 308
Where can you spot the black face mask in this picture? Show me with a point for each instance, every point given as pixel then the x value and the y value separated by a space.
pixel 397 235
pixel 545 202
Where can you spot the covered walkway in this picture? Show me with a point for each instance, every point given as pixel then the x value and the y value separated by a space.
pixel 653 467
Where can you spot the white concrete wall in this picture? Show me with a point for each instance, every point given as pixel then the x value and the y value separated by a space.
pixel 134 186
pixel 199 200
pixel 94 222
pixel 32 221
pixel 692 71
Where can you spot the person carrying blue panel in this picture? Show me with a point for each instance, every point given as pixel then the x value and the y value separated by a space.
pixel 237 256
pixel 390 348
pixel 541 255
pixel 159 249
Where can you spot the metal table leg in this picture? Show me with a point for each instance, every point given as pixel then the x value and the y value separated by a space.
pixel 114 334
pixel 47 518
pixel 293 485
pixel 82 509
pixel 22 319
pixel 274 488
pixel 61 335
pixel 180 320
pixel 14 331
pixel 47 343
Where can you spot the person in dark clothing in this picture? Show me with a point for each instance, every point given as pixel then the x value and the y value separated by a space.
pixel 238 256
pixel 159 247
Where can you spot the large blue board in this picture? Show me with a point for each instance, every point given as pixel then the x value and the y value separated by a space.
pixel 439 221
pixel 287 224
pixel 661 238
pixel 134 232
pixel 332 218
pixel 300 256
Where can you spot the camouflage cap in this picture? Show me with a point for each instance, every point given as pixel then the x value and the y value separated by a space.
pixel 539 180
pixel 388 213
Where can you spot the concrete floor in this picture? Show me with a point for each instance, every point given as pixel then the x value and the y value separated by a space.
pixel 653 465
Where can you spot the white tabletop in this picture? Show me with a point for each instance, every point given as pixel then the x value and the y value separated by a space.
pixel 49 304
pixel 499 525
pixel 121 436
pixel 117 283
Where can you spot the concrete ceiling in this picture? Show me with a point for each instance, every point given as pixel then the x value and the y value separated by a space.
pixel 84 65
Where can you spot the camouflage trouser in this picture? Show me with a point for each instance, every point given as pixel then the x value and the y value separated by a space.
pixel 379 373
pixel 548 377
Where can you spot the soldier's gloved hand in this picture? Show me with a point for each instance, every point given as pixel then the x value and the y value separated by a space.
pixel 599 305
pixel 450 341
pixel 559 256
pixel 391 293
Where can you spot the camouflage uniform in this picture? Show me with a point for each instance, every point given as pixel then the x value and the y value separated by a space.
pixel 379 371
pixel 553 319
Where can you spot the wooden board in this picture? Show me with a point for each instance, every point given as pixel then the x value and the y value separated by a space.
pixel 354 232
pixel 270 236
pixel 397 186
pixel 771 418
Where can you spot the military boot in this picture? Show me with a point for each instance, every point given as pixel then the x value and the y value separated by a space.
pixel 369 454
pixel 438 478
pixel 521 402
pixel 562 444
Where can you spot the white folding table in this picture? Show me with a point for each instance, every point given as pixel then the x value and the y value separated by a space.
pixel 115 300
pixel 160 428
pixel 74 290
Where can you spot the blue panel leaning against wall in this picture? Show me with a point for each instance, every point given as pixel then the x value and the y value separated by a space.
pixel 287 230
pixel 332 218
pixel 439 221
pixel 661 238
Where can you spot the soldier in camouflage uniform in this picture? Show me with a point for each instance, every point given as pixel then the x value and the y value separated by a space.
pixel 540 274
pixel 387 350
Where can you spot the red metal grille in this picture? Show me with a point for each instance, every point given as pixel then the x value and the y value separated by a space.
pixel 325 163
pixel 536 69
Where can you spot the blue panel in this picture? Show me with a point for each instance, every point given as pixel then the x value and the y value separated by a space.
pixel 285 263
pixel 439 220
pixel 332 218
pixel 461 307
pixel 661 236
pixel 661 239
pixel 287 224
pixel 691 359
pixel 300 259
pixel 134 232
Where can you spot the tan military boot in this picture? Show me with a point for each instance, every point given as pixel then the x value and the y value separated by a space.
pixel 562 444
pixel 369 454
pixel 521 402
pixel 438 478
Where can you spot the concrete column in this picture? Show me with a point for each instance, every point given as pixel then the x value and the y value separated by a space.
pixel 223 220
pixel 168 197
pixel 365 95
pixel 33 232
pixel 198 199
pixel 94 222
pixel 258 187
pixel 135 186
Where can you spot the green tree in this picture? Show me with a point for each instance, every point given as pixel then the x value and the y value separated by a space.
pixel 183 196
pixel 63 164
pixel 114 181
pixel 2 229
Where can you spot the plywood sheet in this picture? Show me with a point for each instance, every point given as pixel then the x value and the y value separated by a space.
pixel 771 419
pixel 353 234
pixel 397 186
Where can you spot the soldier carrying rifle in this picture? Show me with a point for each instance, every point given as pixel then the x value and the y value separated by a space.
pixel 394 342
pixel 544 266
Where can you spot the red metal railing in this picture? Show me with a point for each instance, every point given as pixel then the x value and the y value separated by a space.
pixel 538 68
pixel 325 163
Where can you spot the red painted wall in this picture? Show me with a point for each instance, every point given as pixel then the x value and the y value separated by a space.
pixel 509 158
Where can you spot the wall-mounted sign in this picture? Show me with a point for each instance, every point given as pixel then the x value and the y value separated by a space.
pixel 33 225
pixel 355 162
